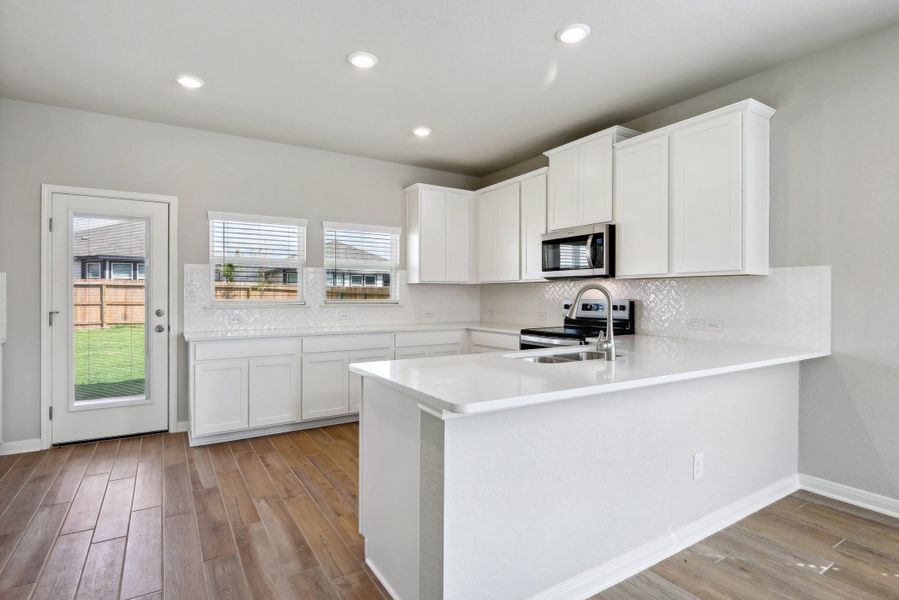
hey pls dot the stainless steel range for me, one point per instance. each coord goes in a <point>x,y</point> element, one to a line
<point>588,322</point>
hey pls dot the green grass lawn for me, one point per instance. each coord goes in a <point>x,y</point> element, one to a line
<point>109,362</point>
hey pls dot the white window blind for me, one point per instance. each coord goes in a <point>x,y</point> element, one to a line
<point>360,262</point>
<point>256,258</point>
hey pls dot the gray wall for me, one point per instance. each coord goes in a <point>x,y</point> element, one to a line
<point>834,201</point>
<point>42,144</point>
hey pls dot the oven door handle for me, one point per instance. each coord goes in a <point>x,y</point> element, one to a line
<point>537,340</point>
<point>590,252</point>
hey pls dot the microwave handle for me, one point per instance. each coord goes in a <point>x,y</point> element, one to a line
<point>590,251</point>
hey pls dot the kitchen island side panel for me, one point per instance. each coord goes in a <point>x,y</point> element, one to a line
<point>538,495</point>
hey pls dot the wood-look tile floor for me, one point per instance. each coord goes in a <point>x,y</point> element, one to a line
<point>275,517</point>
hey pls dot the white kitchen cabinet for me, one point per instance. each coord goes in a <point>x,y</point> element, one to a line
<point>221,396</point>
<point>439,225</point>
<point>491,341</point>
<point>533,225</point>
<point>499,237</point>
<point>274,390</point>
<point>581,179</point>
<point>422,344</point>
<point>361,356</point>
<point>711,174</point>
<point>413,352</point>
<point>641,209</point>
<point>325,385</point>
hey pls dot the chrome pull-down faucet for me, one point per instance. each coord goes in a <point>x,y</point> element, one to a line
<point>604,343</point>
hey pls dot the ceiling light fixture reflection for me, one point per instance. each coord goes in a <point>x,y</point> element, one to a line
<point>422,132</point>
<point>191,82</point>
<point>362,60</point>
<point>572,34</point>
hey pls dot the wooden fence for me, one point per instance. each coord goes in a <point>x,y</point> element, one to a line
<point>105,302</point>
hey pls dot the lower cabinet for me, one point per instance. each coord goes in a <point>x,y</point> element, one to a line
<point>361,356</point>
<point>221,396</point>
<point>490,341</point>
<point>433,350</point>
<point>325,384</point>
<point>274,390</point>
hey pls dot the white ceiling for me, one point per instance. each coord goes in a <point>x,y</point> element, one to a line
<point>487,76</point>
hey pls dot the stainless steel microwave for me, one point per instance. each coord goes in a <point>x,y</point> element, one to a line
<point>587,251</point>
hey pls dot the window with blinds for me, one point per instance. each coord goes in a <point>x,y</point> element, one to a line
<point>360,262</point>
<point>255,258</point>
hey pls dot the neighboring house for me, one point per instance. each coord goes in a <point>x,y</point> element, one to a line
<point>113,251</point>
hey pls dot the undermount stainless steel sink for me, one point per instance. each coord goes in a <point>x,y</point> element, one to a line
<point>567,357</point>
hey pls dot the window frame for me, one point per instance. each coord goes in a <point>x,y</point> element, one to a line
<point>112,275</point>
<point>138,275</point>
<point>87,266</point>
<point>396,232</point>
<point>299,264</point>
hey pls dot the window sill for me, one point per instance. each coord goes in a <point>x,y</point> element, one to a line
<point>241,304</point>
<point>361,302</point>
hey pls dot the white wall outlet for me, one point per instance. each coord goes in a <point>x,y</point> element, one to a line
<point>716,325</point>
<point>488,314</point>
<point>429,314</point>
<point>695,323</point>
<point>236,318</point>
<point>343,315</point>
<point>698,465</point>
<point>541,316</point>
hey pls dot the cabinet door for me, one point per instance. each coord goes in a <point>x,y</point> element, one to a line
<point>274,390</point>
<point>488,240</point>
<point>221,393</point>
<point>413,352</point>
<point>325,385</point>
<point>706,196</point>
<point>509,229</point>
<point>596,181</point>
<point>445,350</point>
<point>564,176</point>
<point>432,240</point>
<point>641,209</point>
<point>533,225</point>
<point>360,356</point>
<point>458,236</point>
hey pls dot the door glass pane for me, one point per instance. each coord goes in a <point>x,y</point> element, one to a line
<point>108,307</point>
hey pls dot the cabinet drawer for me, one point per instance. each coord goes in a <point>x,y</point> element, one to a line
<point>504,341</point>
<point>428,338</point>
<point>246,348</point>
<point>343,343</point>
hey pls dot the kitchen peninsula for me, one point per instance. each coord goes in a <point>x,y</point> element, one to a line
<point>498,477</point>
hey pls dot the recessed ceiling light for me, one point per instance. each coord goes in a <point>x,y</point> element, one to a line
<point>572,34</point>
<point>190,81</point>
<point>362,60</point>
<point>422,132</point>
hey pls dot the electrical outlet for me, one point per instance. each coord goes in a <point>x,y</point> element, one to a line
<point>488,315</point>
<point>541,316</point>
<point>343,315</point>
<point>698,465</point>
<point>716,325</point>
<point>695,323</point>
<point>429,314</point>
<point>236,319</point>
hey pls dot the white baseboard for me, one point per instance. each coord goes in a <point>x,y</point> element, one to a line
<point>243,434</point>
<point>377,573</point>
<point>20,446</point>
<point>850,495</point>
<point>627,565</point>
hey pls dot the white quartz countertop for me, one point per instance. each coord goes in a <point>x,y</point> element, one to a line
<point>476,383</point>
<point>205,336</point>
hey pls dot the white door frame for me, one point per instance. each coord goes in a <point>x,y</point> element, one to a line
<point>47,191</point>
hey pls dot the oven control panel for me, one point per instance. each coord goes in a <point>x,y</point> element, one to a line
<point>596,309</point>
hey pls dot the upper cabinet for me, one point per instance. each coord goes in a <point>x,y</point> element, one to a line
<point>498,213</point>
<point>511,217</point>
<point>692,198</point>
<point>439,224</point>
<point>581,179</point>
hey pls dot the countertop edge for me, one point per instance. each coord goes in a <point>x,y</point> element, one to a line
<point>513,402</point>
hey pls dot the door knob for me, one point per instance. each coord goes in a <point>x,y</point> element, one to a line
<point>160,328</point>
<point>160,312</point>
